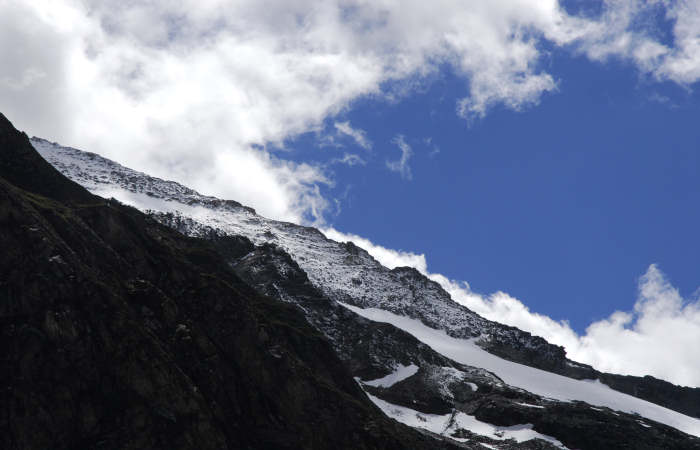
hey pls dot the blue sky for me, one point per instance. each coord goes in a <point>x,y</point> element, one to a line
<point>563,204</point>
<point>544,152</point>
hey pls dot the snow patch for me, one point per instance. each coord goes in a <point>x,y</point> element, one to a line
<point>401,373</point>
<point>448,424</point>
<point>529,405</point>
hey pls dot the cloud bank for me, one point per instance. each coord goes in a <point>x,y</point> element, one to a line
<point>198,91</point>
<point>658,337</point>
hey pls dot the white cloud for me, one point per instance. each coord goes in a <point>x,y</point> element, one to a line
<point>359,136</point>
<point>387,257</point>
<point>682,63</point>
<point>195,91</point>
<point>658,337</point>
<point>401,165</point>
<point>625,30</point>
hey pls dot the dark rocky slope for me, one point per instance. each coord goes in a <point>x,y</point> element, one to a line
<point>118,332</point>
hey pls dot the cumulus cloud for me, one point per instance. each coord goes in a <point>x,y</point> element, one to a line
<point>628,30</point>
<point>401,165</point>
<point>199,91</point>
<point>657,337</point>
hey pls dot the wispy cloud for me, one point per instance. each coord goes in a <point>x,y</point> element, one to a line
<point>434,149</point>
<point>359,136</point>
<point>401,165</point>
<point>657,337</point>
<point>349,159</point>
<point>661,99</point>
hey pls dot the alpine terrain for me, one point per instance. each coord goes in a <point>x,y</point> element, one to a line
<point>137,313</point>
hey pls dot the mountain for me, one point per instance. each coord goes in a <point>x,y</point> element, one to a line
<point>196,322</point>
<point>118,332</point>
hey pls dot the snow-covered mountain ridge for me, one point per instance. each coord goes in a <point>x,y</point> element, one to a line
<point>344,273</point>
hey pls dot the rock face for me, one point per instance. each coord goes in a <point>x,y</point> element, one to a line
<point>118,332</point>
